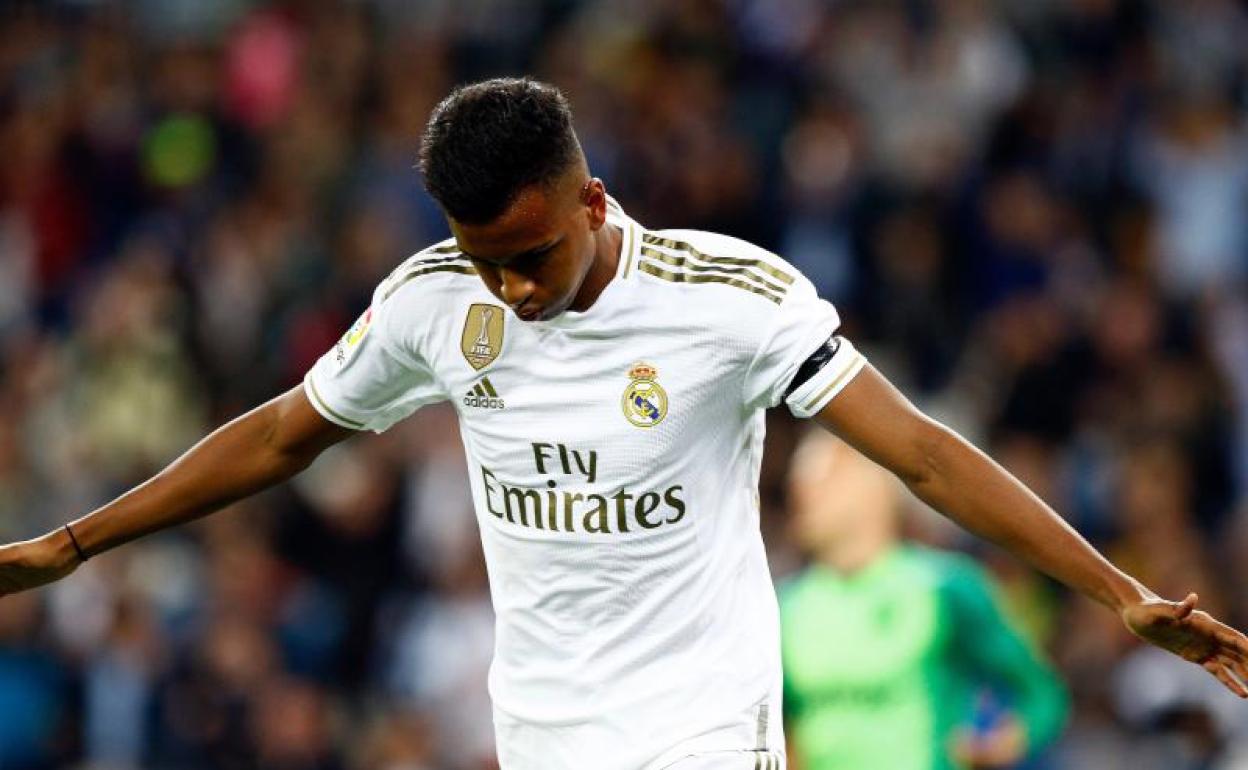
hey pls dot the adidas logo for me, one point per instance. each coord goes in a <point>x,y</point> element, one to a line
<point>484,396</point>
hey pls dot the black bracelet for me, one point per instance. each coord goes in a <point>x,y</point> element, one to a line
<point>74,540</point>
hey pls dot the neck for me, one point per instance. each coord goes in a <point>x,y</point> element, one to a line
<point>607,242</point>
<point>854,553</point>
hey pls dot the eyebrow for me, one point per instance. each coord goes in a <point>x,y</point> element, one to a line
<point>522,255</point>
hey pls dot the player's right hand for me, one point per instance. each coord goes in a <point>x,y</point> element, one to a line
<point>32,563</point>
<point>1194,636</point>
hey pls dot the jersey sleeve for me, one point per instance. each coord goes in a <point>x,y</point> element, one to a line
<point>801,325</point>
<point>990,651</point>
<point>369,380</point>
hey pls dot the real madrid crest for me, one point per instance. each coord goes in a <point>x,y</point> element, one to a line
<point>645,401</point>
<point>482,339</point>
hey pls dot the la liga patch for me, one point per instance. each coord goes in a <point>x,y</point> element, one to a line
<point>353,336</point>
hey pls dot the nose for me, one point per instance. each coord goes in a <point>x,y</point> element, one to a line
<point>515,288</point>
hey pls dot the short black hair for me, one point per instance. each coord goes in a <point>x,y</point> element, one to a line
<point>488,141</point>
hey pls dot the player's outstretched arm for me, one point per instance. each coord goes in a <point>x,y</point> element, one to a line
<point>949,474</point>
<point>267,445</point>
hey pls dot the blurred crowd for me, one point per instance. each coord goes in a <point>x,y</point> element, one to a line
<point>1033,215</point>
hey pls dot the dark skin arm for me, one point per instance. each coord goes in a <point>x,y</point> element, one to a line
<point>264,447</point>
<point>948,473</point>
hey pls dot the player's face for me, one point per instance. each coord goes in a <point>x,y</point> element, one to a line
<point>536,255</point>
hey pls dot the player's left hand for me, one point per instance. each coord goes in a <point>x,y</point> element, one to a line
<point>1193,635</point>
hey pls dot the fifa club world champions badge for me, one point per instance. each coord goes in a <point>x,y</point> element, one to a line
<point>645,401</point>
<point>482,338</point>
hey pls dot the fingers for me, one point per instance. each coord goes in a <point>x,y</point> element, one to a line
<point>1223,673</point>
<point>1239,670</point>
<point>1228,640</point>
<point>1233,645</point>
<point>1185,607</point>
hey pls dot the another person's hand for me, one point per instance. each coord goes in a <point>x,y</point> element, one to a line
<point>32,563</point>
<point>1193,635</point>
<point>1003,745</point>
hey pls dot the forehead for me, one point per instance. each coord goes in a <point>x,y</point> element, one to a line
<point>535,219</point>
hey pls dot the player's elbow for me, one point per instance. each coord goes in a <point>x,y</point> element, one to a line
<point>281,439</point>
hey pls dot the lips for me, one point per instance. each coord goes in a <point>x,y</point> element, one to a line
<point>528,313</point>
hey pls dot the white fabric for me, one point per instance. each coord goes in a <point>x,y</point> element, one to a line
<point>636,620</point>
<point>732,760</point>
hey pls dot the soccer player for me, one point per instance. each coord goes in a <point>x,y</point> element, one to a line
<point>887,647</point>
<point>610,383</point>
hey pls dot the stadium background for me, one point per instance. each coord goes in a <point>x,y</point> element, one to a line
<point>1032,213</point>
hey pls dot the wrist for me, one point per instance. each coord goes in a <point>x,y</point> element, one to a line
<point>1127,592</point>
<point>59,549</point>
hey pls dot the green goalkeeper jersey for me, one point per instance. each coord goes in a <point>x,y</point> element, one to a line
<point>882,666</point>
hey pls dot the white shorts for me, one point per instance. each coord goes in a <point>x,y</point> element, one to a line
<point>731,760</point>
<point>619,741</point>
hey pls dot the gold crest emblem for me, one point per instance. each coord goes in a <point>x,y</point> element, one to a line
<point>645,401</point>
<point>482,339</point>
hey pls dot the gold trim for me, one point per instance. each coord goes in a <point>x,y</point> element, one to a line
<point>423,258</point>
<point>684,263</point>
<point>839,379</point>
<point>489,387</point>
<point>758,761</point>
<point>462,269</point>
<point>658,272</point>
<point>316,395</point>
<point>439,261</point>
<point>757,264</point>
<point>630,237</point>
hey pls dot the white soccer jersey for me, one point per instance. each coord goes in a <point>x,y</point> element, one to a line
<point>614,458</point>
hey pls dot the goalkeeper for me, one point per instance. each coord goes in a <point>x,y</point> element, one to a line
<point>888,648</point>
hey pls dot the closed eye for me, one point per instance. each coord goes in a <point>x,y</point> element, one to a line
<point>526,262</point>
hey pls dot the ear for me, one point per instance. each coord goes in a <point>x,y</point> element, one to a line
<point>594,198</point>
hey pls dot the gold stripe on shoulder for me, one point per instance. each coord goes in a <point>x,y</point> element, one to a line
<point>426,270</point>
<point>429,257</point>
<point>757,264</point>
<point>666,275</point>
<point>685,264</point>
<point>424,262</point>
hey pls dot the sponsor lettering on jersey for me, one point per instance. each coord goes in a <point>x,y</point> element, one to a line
<point>483,396</point>
<point>604,512</point>
<point>644,402</point>
<point>482,338</point>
